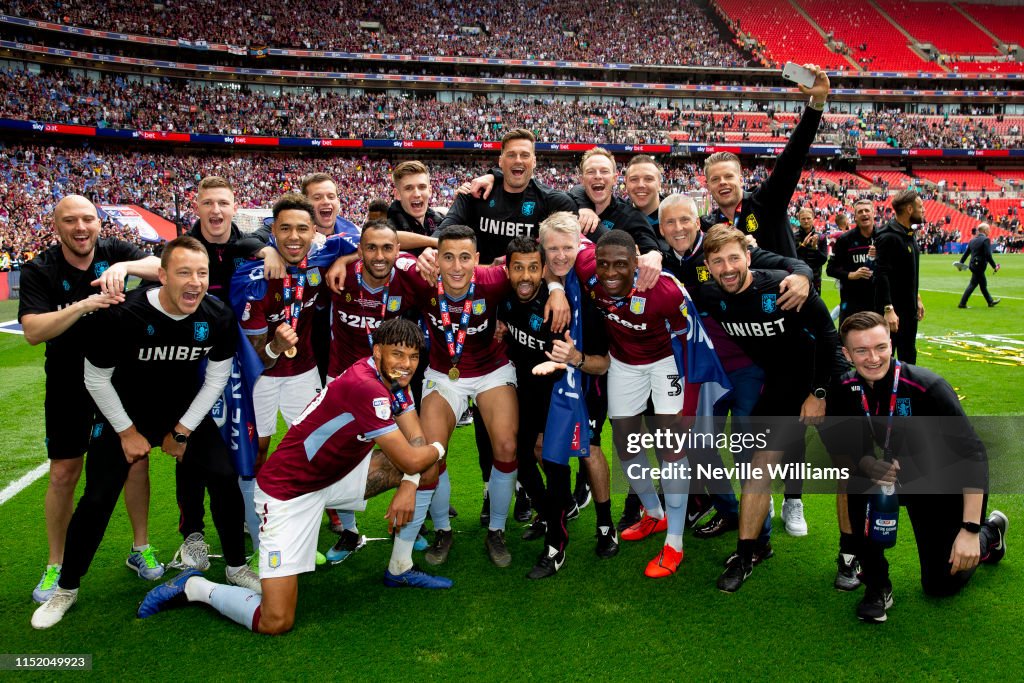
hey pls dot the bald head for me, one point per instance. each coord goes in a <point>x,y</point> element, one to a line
<point>77,226</point>
<point>983,228</point>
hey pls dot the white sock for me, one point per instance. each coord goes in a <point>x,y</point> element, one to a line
<point>198,589</point>
<point>231,571</point>
<point>674,541</point>
<point>401,556</point>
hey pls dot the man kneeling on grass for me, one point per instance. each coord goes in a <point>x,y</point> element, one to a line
<point>327,460</point>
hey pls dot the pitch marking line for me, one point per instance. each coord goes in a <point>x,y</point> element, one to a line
<point>26,480</point>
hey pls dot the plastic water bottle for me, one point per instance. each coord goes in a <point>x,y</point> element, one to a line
<point>883,516</point>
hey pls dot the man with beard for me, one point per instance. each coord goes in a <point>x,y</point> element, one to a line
<point>81,274</point>
<point>897,267</point>
<point>852,262</point>
<point>763,212</point>
<point>326,459</point>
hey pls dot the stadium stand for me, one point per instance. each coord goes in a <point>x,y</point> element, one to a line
<point>1003,21</point>
<point>875,44</point>
<point>941,25</point>
<point>781,31</point>
<point>958,178</point>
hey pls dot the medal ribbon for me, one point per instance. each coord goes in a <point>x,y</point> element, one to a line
<point>455,342</point>
<point>293,297</point>
<point>384,297</point>
<point>619,303</point>
<point>400,401</point>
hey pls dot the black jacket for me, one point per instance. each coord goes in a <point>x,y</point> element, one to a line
<point>763,212</point>
<point>980,251</point>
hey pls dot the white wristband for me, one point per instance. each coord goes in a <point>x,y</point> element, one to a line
<point>555,287</point>
<point>270,352</point>
<point>440,450</point>
<point>414,478</point>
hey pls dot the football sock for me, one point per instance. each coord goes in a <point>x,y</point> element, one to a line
<point>674,541</point>
<point>604,513</point>
<point>236,603</point>
<point>247,485</point>
<point>139,548</point>
<point>676,504</point>
<point>502,486</point>
<point>441,503</point>
<point>348,520</point>
<point>401,551</point>
<point>639,480</point>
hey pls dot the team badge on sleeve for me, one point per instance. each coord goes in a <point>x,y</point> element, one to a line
<point>382,408</point>
<point>637,305</point>
<point>528,208</point>
<point>479,306</point>
<point>202,331</point>
<point>313,277</point>
<point>768,302</point>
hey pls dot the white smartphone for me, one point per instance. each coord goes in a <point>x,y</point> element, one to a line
<point>798,74</point>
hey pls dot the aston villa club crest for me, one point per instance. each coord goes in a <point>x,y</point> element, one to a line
<point>150,330</point>
<point>274,559</point>
<point>607,225</point>
<point>751,223</point>
<point>238,262</point>
<point>637,305</point>
<point>529,208</point>
<point>702,274</point>
<point>768,302</point>
<point>903,407</point>
<point>100,267</point>
<point>394,304</point>
<point>479,306</point>
<point>313,277</point>
<point>536,322</point>
<point>348,297</point>
<point>202,331</point>
<point>277,297</point>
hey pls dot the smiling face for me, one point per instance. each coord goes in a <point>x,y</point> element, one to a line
<point>615,268</point>
<point>185,281</point>
<point>864,217</point>
<point>378,249</point>
<point>396,362</point>
<point>326,204</point>
<point>560,249</point>
<point>806,219</point>
<point>525,273</point>
<point>729,266</point>
<point>679,226</point>
<point>77,226</point>
<point>725,183</point>
<point>643,185</point>
<point>413,192</point>
<point>870,351</point>
<point>517,163</point>
<point>598,180</point>
<point>456,260</point>
<point>293,233</point>
<point>216,209</point>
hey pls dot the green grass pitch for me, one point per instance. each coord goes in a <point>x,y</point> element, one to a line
<point>597,619</point>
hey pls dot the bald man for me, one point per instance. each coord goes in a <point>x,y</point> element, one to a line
<point>80,274</point>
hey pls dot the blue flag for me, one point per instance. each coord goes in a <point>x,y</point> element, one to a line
<point>567,432</point>
<point>697,361</point>
<point>233,413</point>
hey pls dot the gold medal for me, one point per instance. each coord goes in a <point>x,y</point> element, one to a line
<point>453,374</point>
<point>290,353</point>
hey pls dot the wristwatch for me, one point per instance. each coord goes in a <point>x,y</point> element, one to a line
<point>888,309</point>
<point>179,437</point>
<point>820,393</point>
<point>972,527</point>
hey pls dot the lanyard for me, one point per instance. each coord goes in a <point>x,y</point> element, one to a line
<point>293,296</point>
<point>455,342</point>
<point>383,302</point>
<point>892,410</point>
<point>735,217</point>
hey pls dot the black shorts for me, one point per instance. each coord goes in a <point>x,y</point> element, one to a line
<point>776,416</point>
<point>69,418</point>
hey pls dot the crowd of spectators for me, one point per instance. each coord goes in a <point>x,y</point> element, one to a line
<point>899,129</point>
<point>631,31</point>
<point>176,105</point>
<point>33,178</point>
